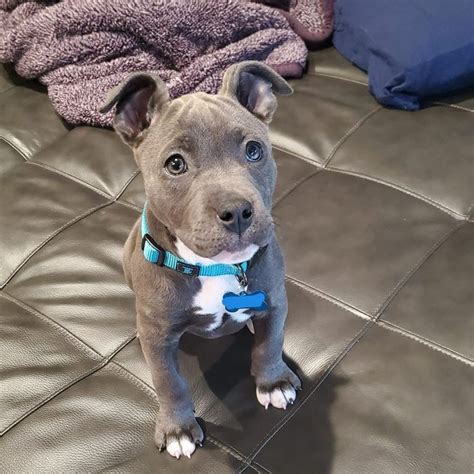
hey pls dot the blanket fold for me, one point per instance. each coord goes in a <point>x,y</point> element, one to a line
<point>81,48</point>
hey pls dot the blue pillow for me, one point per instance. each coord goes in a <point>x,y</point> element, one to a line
<point>411,48</point>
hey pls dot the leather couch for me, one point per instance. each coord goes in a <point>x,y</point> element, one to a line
<point>374,212</point>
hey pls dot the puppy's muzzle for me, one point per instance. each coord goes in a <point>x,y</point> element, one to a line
<point>236,216</point>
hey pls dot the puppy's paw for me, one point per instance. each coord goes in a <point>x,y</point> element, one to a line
<point>178,440</point>
<point>279,393</point>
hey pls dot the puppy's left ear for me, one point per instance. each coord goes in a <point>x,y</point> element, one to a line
<point>253,84</point>
<point>137,100</point>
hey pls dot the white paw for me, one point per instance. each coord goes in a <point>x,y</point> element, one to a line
<point>178,437</point>
<point>181,446</point>
<point>279,397</point>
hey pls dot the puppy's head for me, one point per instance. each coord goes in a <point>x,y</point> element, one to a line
<point>206,159</point>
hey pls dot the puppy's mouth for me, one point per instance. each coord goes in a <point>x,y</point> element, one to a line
<point>237,256</point>
<point>212,247</point>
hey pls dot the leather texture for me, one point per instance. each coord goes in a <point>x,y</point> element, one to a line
<point>374,211</point>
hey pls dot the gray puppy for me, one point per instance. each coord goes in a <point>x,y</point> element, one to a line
<point>209,177</point>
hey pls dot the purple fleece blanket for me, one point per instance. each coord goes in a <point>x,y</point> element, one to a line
<point>82,48</point>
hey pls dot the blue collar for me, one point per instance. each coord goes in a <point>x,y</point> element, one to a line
<point>161,257</point>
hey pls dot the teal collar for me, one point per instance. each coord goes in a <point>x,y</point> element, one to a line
<point>161,257</point>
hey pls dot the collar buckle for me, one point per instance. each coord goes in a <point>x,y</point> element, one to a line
<point>156,249</point>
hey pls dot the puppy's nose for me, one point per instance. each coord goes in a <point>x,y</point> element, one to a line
<point>236,217</point>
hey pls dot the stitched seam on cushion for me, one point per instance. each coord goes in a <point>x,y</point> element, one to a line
<point>67,225</point>
<point>127,184</point>
<point>255,464</point>
<point>331,299</point>
<point>235,454</point>
<point>50,237</point>
<point>427,342</point>
<point>29,157</point>
<point>340,78</point>
<point>15,147</point>
<point>359,335</point>
<point>400,188</point>
<point>454,106</point>
<point>338,144</point>
<point>469,213</point>
<point>365,316</point>
<point>315,386</point>
<point>146,388</point>
<point>343,139</point>
<point>71,337</point>
<point>136,380</point>
<point>69,176</point>
<point>426,256</point>
<point>50,397</point>
<point>86,374</point>
<point>297,155</point>
<point>360,314</point>
<point>129,205</point>
<point>250,467</point>
<point>142,385</point>
<point>294,186</point>
<point>133,379</point>
<point>383,323</point>
<point>9,88</point>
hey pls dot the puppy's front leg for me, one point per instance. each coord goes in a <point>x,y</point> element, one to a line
<point>176,426</point>
<point>276,382</point>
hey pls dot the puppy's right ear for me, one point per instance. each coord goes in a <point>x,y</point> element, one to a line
<point>137,101</point>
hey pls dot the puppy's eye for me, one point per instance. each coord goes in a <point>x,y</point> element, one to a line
<point>253,151</point>
<point>176,165</point>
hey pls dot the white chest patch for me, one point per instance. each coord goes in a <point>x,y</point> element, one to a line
<point>209,298</point>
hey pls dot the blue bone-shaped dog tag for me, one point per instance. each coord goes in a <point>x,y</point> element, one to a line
<point>233,302</point>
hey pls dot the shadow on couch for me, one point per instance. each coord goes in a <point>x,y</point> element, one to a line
<point>228,377</point>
